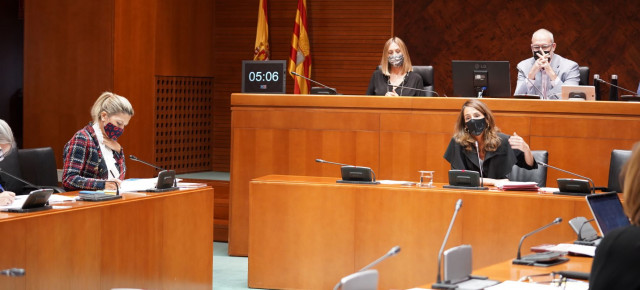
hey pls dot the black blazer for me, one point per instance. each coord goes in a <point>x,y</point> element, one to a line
<point>497,164</point>
<point>379,85</point>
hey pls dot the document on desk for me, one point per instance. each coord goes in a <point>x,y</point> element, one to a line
<point>574,249</point>
<point>138,184</point>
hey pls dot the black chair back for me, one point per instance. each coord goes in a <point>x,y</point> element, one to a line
<point>426,72</point>
<point>584,75</point>
<point>618,159</point>
<point>38,166</point>
<point>539,175</point>
<point>11,165</point>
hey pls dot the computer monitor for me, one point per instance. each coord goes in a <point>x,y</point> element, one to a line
<point>473,76</point>
<point>607,211</point>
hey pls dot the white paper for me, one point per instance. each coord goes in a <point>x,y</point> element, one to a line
<point>401,182</point>
<point>573,248</point>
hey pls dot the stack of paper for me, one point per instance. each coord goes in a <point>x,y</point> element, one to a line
<point>517,185</point>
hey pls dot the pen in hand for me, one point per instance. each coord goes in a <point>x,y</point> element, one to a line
<point>114,176</point>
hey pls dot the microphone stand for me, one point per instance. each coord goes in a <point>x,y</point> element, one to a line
<point>439,284</point>
<point>616,86</point>
<point>480,165</point>
<point>134,158</point>
<point>420,90</point>
<point>335,92</point>
<point>395,250</point>
<point>593,189</point>
<point>532,260</point>
<point>582,226</point>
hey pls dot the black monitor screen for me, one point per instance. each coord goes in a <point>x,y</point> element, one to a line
<point>490,77</point>
<point>608,211</point>
<point>264,76</point>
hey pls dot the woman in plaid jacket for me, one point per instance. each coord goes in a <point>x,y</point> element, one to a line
<point>93,159</point>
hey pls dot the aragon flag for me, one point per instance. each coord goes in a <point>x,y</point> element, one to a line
<point>300,56</point>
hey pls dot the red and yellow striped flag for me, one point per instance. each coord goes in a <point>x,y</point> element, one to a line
<point>261,51</point>
<point>300,56</point>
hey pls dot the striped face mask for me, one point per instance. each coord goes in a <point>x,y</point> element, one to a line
<point>2,154</point>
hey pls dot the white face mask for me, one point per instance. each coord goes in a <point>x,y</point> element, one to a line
<point>396,59</point>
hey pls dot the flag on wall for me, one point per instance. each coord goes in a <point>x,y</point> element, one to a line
<point>300,56</point>
<point>261,51</point>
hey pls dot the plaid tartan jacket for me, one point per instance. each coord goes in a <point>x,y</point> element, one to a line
<point>84,167</point>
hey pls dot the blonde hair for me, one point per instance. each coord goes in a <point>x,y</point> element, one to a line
<point>111,104</point>
<point>631,186</point>
<point>385,66</point>
<point>6,135</point>
<point>462,136</point>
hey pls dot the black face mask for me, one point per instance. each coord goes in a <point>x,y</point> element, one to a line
<point>535,54</point>
<point>476,126</point>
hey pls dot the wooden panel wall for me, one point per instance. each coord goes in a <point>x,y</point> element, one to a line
<point>346,44</point>
<point>68,62</point>
<point>592,33</point>
<point>76,50</point>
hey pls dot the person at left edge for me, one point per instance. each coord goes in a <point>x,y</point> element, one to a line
<point>7,146</point>
<point>498,151</point>
<point>94,151</point>
<point>395,70</point>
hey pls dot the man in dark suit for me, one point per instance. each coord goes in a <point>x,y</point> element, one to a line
<point>546,70</point>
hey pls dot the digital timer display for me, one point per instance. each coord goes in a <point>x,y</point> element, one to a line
<point>264,76</point>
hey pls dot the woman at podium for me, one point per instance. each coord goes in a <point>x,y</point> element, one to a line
<point>478,143</point>
<point>395,76</point>
<point>617,261</point>
<point>93,158</point>
<point>7,145</point>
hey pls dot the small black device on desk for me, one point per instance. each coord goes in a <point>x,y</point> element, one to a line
<point>36,201</point>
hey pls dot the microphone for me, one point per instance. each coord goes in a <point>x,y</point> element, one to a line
<point>556,168</point>
<point>134,158</point>
<point>596,85</point>
<point>480,165</point>
<point>13,272</point>
<point>329,162</point>
<point>439,284</point>
<point>615,86</point>
<point>354,174</point>
<point>117,187</point>
<point>531,259</point>
<point>394,251</point>
<point>334,91</point>
<point>530,82</point>
<point>421,90</point>
<point>28,183</point>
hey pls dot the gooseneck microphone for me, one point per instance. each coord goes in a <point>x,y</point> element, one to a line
<point>117,186</point>
<point>354,174</point>
<point>591,184</point>
<point>421,90</point>
<point>335,92</point>
<point>392,252</point>
<point>21,180</point>
<point>439,284</point>
<point>615,86</point>
<point>132,157</point>
<point>13,272</point>
<point>480,165</point>
<point>538,257</point>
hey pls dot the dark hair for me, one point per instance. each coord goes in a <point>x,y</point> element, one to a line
<point>462,136</point>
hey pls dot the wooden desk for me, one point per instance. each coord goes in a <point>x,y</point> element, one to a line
<point>158,241</point>
<point>505,271</point>
<point>308,232</point>
<point>397,136</point>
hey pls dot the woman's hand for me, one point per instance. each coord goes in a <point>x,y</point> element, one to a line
<point>517,142</point>
<point>111,144</point>
<point>109,185</point>
<point>7,197</point>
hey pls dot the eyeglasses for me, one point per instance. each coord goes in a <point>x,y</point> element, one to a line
<point>544,47</point>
